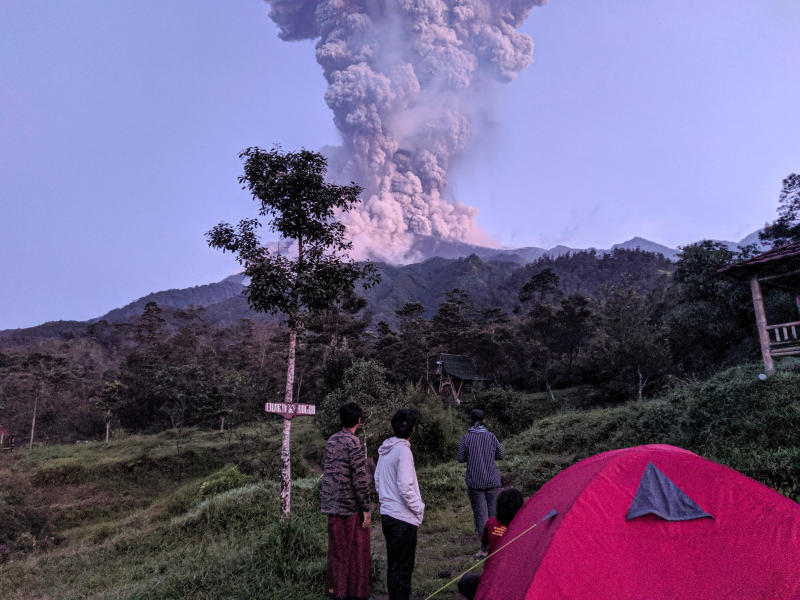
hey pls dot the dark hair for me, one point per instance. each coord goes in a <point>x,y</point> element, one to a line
<point>477,415</point>
<point>349,414</point>
<point>508,503</point>
<point>403,422</point>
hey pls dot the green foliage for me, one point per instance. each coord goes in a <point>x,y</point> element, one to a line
<point>509,412</point>
<point>630,352</point>
<point>299,205</point>
<point>225,479</point>
<point>709,319</point>
<point>540,286</point>
<point>364,383</point>
<point>786,228</point>
<point>734,418</point>
<point>439,428</point>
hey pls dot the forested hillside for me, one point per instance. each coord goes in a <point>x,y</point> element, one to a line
<point>623,325</point>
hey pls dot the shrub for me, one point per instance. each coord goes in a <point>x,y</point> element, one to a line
<point>228,478</point>
<point>733,418</point>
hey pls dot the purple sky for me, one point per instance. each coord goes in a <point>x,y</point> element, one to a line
<point>120,123</point>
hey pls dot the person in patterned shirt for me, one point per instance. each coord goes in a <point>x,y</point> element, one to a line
<point>345,499</point>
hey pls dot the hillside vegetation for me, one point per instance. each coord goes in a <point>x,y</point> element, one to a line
<point>138,518</point>
<point>619,326</point>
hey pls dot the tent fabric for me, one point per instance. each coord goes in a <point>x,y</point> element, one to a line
<point>750,549</point>
<point>657,495</point>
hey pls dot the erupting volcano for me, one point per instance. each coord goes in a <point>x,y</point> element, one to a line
<point>406,80</point>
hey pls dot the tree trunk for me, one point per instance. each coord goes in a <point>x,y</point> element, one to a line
<point>641,383</point>
<point>108,429</point>
<point>286,465</point>
<point>222,424</point>
<point>33,421</point>
<point>550,391</point>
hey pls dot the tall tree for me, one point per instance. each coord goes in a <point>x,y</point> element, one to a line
<point>111,398</point>
<point>706,313</point>
<point>786,228</point>
<point>573,324</point>
<point>298,204</point>
<point>540,286</point>
<point>44,375</point>
<point>629,350</point>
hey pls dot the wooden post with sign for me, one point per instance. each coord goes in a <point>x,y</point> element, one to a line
<point>289,410</point>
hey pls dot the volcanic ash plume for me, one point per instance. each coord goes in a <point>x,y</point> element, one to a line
<point>405,80</point>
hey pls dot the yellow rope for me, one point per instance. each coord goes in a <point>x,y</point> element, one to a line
<point>552,513</point>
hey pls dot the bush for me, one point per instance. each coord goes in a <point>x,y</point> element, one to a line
<point>228,478</point>
<point>366,384</point>
<point>439,427</point>
<point>733,418</point>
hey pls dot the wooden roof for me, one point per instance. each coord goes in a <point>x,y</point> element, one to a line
<point>773,261</point>
<point>460,366</point>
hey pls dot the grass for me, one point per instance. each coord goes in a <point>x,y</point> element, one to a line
<point>133,519</point>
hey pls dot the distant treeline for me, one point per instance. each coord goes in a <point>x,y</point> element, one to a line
<point>623,324</point>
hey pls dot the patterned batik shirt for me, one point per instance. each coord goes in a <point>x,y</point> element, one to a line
<point>345,486</point>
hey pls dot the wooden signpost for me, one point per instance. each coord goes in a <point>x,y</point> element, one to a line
<point>290,411</point>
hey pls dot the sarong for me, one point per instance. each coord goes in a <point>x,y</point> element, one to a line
<point>348,558</point>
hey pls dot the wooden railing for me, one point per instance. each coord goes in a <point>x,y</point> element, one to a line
<point>784,339</point>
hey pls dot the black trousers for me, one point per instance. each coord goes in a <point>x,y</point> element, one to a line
<point>401,547</point>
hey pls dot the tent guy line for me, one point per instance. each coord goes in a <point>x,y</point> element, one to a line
<point>549,515</point>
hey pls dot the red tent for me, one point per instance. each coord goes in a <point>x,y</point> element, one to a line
<point>651,522</point>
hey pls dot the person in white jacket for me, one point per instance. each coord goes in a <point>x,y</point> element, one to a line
<point>401,504</point>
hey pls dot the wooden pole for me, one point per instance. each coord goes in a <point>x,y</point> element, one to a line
<point>286,464</point>
<point>33,421</point>
<point>761,323</point>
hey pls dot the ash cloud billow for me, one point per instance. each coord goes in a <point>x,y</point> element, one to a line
<point>406,79</point>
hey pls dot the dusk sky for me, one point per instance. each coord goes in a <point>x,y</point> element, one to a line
<point>120,125</point>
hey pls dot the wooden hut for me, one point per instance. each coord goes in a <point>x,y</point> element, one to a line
<point>454,370</point>
<point>778,267</point>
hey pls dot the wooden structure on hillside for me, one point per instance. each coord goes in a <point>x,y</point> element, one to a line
<point>454,370</point>
<point>778,267</point>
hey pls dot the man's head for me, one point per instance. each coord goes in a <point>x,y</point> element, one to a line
<point>508,504</point>
<point>403,422</point>
<point>477,415</point>
<point>349,414</point>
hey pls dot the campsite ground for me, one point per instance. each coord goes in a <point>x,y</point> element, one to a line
<point>137,519</point>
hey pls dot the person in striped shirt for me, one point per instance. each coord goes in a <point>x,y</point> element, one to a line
<point>479,448</point>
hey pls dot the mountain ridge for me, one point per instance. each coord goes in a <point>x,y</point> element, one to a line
<point>224,302</point>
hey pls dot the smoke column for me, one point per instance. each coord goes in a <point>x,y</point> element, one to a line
<point>405,80</point>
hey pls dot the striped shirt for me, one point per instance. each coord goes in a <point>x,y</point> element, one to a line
<point>479,448</point>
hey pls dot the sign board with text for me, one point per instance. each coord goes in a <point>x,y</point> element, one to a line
<point>289,411</point>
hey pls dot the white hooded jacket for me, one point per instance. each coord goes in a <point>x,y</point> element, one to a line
<point>396,482</point>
